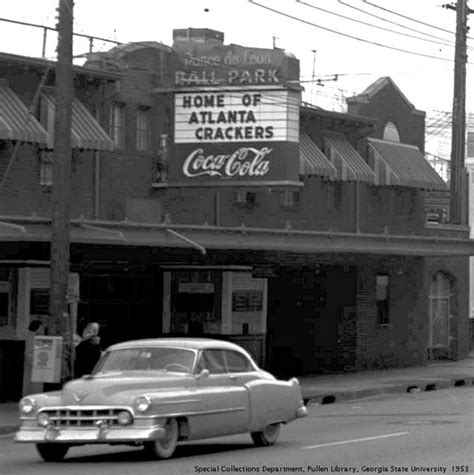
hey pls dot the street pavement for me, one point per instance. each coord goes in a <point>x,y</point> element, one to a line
<point>334,388</point>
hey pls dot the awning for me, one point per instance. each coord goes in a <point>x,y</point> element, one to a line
<point>404,165</point>
<point>312,160</point>
<point>86,133</point>
<point>110,233</point>
<point>349,164</point>
<point>16,123</point>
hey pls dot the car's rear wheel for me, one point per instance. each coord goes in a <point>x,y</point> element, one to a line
<point>267,436</point>
<point>51,452</point>
<point>164,448</point>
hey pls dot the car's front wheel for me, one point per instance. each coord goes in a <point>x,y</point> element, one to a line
<point>267,436</point>
<point>164,448</point>
<point>51,452</point>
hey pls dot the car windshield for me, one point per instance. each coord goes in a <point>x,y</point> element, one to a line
<point>147,359</point>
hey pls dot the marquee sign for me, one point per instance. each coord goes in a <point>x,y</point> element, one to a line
<point>236,116</point>
<point>236,112</point>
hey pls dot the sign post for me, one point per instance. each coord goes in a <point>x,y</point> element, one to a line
<point>47,359</point>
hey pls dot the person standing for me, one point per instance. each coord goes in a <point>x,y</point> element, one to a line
<point>88,350</point>
<point>35,328</point>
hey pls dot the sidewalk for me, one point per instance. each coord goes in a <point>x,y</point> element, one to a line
<point>324,389</point>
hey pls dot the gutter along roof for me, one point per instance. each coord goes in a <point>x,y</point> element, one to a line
<point>44,63</point>
<point>23,229</point>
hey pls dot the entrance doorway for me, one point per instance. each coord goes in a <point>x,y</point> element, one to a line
<point>440,314</point>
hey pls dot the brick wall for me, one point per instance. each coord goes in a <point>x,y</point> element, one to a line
<point>388,105</point>
<point>403,341</point>
<point>23,195</point>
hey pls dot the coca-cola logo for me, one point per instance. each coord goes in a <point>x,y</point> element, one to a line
<point>245,161</point>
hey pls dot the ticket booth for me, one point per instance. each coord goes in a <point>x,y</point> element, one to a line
<point>226,303</point>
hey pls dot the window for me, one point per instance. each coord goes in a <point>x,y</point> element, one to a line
<point>390,132</point>
<point>236,362</point>
<point>213,360</point>
<point>246,199</point>
<point>440,310</point>
<point>334,196</point>
<point>289,199</point>
<point>382,299</point>
<point>117,125</point>
<point>4,303</point>
<point>46,118</point>
<point>404,201</point>
<point>46,170</point>
<point>143,129</point>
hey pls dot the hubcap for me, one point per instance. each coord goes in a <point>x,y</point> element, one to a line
<point>166,441</point>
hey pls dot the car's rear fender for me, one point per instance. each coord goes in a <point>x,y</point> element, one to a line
<point>272,402</point>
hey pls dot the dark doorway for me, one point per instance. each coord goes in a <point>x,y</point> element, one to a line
<point>127,306</point>
<point>306,309</point>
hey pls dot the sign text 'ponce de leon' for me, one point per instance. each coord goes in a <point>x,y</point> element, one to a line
<point>203,60</point>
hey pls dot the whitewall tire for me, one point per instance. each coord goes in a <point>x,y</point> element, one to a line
<point>267,436</point>
<point>164,448</point>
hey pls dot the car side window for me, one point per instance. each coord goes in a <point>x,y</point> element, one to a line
<point>214,361</point>
<point>237,363</point>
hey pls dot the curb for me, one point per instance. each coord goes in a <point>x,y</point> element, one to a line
<point>429,385</point>
<point>8,429</point>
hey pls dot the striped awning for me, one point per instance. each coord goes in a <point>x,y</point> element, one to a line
<point>86,133</point>
<point>349,164</point>
<point>313,162</point>
<point>16,122</point>
<point>403,165</point>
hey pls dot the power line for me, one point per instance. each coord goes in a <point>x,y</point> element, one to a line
<point>401,50</point>
<point>451,44</point>
<point>373,15</point>
<point>408,18</point>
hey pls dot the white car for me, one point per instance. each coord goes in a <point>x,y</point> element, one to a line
<point>158,392</point>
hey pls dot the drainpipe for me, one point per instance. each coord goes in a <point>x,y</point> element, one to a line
<point>357,208</point>
<point>217,208</point>
<point>96,185</point>
<point>97,177</point>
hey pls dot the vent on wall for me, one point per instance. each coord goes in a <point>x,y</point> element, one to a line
<point>246,199</point>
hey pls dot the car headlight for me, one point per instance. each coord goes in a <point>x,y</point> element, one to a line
<point>43,419</point>
<point>27,405</point>
<point>124,418</point>
<point>142,403</point>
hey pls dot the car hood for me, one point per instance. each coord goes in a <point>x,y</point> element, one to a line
<point>121,389</point>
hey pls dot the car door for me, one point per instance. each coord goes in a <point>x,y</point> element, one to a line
<point>219,413</point>
<point>241,371</point>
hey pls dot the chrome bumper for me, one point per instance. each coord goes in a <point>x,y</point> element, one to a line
<point>301,412</point>
<point>89,435</point>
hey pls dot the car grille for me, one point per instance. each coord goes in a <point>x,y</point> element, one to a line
<point>86,417</point>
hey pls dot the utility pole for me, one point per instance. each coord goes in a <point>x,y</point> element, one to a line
<point>458,184</point>
<point>59,323</point>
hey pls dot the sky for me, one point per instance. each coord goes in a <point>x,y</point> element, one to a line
<point>329,37</point>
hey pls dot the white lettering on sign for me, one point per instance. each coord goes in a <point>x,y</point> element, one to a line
<point>234,77</point>
<point>245,161</point>
<point>238,116</point>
